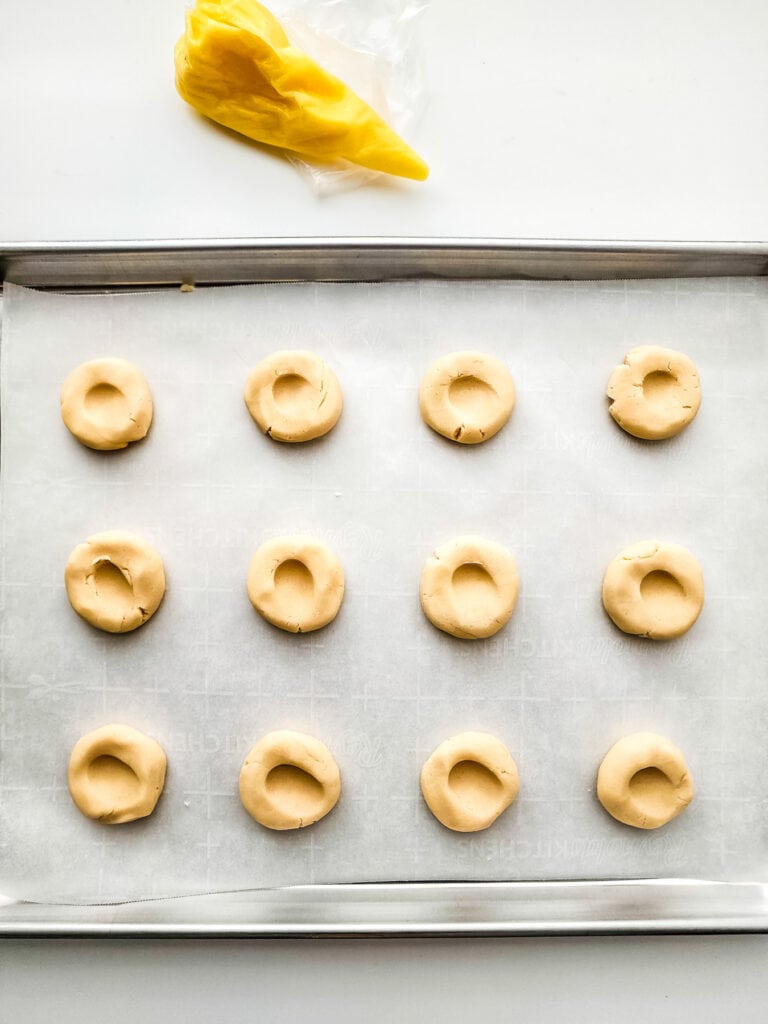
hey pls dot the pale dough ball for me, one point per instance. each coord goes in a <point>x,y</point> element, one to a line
<point>469,587</point>
<point>296,583</point>
<point>106,404</point>
<point>654,590</point>
<point>469,780</point>
<point>654,393</point>
<point>289,780</point>
<point>293,396</point>
<point>644,781</point>
<point>116,774</point>
<point>115,581</point>
<point>467,396</point>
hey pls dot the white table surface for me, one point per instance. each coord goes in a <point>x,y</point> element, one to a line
<point>662,980</point>
<point>600,119</point>
<point>596,119</point>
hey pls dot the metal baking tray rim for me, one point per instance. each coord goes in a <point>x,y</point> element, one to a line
<point>169,262</point>
<point>636,906</point>
<point>436,909</point>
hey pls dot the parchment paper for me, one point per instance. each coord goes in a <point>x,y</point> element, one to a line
<point>561,486</point>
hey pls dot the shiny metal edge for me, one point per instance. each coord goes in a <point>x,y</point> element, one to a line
<point>173,262</point>
<point>636,907</point>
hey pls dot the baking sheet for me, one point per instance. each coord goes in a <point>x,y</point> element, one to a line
<point>561,485</point>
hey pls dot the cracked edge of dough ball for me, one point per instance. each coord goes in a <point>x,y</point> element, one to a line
<point>631,755</point>
<point>445,417</point>
<point>455,811</point>
<point>628,405</point>
<point>271,416</point>
<point>114,432</point>
<point>622,589</point>
<point>287,748</point>
<point>319,560</point>
<point>436,589</point>
<point>135,560</point>
<point>140,753</point>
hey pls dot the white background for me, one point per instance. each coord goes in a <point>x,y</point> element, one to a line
<point>598,119</point>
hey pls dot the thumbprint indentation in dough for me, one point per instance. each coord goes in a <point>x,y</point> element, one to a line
<point>105,403</point>
<point>661,592</point>
<point>660,387</point>
<point>653,791</point>
<point>476,786</point>
<point>296,791</point>
<point>111,582</point>
<point>294,394</point>
<point>474,587</point>
<point>114,777</point>
<point>296,585</point>
<point>471,396</point>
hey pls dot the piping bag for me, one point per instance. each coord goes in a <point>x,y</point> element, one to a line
<point>236,65</point>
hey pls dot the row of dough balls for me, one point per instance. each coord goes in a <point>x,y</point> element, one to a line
<point>469,587</point>
<point>290,780</point>
<point>467,397</point>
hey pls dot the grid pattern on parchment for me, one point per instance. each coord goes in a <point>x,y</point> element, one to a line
<point>560,485</point>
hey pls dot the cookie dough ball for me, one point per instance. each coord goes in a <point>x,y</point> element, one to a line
<point>467,396</point>
<point>106,404</point>
<point>655,393</point>
<point>296,583</point>
<point>469,780</point>
<point>116,774</point>
<point>289,780</point>
<point>469,587</point>
<point>293,396</point>
<point>644,781</point>
<point>115,581</point>
<point>654,590</point>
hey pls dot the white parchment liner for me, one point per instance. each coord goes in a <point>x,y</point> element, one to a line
<point>561,486</point>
